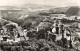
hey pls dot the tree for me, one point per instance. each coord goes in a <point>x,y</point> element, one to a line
<point>72,11</point>
<point>26,25</point>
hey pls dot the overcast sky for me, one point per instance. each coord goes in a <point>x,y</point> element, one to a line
<point>43,2</point>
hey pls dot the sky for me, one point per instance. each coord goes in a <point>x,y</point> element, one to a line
<point>42,2</point>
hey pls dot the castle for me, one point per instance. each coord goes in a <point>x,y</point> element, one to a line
<point>60,31</point>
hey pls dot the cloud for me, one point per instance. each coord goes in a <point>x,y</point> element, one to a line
<point>43,2</point>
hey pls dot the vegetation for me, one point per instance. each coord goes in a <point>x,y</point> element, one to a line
<point>67,21</point>
<point>72,11</point>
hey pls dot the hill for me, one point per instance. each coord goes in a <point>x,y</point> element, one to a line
<point>27,16</point>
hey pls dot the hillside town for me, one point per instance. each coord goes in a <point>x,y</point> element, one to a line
<point>42,30</point>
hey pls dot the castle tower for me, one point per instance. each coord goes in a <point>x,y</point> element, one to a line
<point>62,30</point>
<point>54,27</point>
<point>57,27</point>
<point>60,26</point>
<point>65,33</point>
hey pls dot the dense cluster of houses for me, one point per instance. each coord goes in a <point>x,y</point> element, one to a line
<point>15,34</point>
<point>57,33</point>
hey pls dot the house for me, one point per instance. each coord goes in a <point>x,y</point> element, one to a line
<point>79,24</point>
<point>4,37</point>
